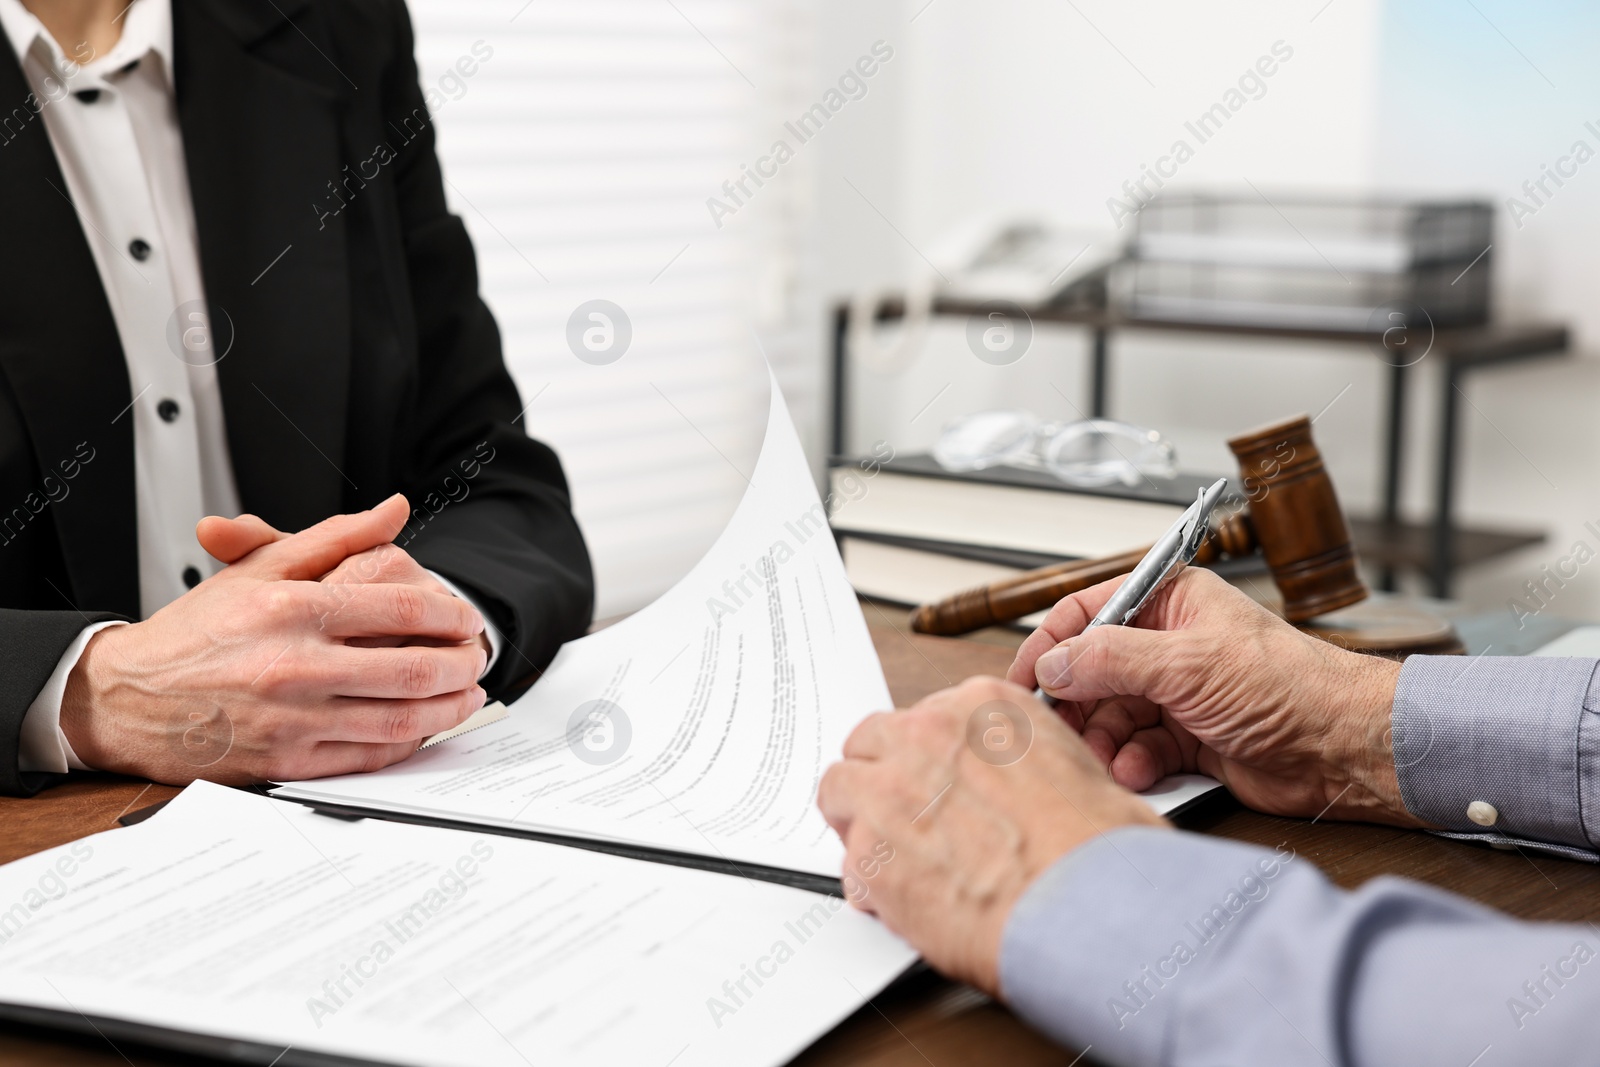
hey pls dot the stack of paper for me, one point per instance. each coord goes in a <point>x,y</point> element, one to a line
<point>242,919</point>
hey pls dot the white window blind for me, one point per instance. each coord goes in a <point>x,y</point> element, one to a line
<point>581,140</point>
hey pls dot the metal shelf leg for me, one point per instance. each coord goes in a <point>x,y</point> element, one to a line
<point>1394,448</point>
<point>1442,564</point>
<point>1099,360</point>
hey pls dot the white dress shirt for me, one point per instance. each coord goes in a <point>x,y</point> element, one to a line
<point>113,123</point>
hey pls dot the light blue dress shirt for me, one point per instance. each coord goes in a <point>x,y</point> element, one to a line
<point>1152,947</point>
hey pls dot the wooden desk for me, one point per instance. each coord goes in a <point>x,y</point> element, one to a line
<point>925,1019</point>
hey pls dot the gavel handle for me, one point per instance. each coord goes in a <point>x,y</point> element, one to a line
<point>1036,590</point>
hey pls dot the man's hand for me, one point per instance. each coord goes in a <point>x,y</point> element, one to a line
<point>1208,680</point>
<point>257,673</point>
<point>230,540</point>
<point>949,810</point>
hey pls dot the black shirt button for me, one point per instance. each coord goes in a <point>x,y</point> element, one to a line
<point>139,249</point>
<point>87,96</point>
<point>168,410</point>
<point>191,577</point>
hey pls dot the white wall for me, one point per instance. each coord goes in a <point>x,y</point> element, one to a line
<point>1022,106</point>
<point>581,153</point>
<point>1008,107</point>
<point>1029,107</point>
<point>1478,102</point>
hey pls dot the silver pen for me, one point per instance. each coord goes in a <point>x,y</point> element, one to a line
<point>1168,556</point>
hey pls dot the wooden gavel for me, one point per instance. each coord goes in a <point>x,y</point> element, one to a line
<point>1292,518</point>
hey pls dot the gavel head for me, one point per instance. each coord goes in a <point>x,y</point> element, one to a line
<point>1297,520</point>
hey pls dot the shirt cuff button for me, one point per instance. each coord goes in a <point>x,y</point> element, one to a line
<point>1482,813</point>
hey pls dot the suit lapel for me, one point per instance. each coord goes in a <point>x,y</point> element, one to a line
<point>260,109</point>
<point>61,355</point>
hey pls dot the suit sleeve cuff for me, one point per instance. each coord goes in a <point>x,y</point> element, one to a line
<point>496,641</point>
<point>43,746</point>
<point>1090,946</point>
<point>1516,739</point>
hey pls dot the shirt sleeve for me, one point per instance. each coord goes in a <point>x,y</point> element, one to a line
<point>1502,748</point>
<point>43,746</point>
<point>496,641</point>
<point>1149,946</point>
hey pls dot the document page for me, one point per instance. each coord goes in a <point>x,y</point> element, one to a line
<point>701,724</point>
<point>1579,641</point>
<point>1176,792</point>
<point>249,919</point>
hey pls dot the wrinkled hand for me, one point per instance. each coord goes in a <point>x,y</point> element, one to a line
<point>1207,680</point>
<point>230,540</point>
<point>257,673</point>
<point>949,810</point>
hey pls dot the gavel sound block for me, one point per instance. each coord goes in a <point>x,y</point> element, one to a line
<point>1292,518</point>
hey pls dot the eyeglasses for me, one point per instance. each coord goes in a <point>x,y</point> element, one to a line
<point>1088,453</point>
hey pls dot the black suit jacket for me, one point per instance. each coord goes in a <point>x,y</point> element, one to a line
<point>362,363</point>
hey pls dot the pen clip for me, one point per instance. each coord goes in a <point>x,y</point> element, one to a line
<point>1198,518</point>
<point>1195,529</point>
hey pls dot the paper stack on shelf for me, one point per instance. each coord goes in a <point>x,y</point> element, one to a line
<point>1330,264</point>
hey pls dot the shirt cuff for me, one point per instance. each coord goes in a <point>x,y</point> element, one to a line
<point>1513,738</point>
<point>43,747</point>
<point>496,642</point>
<point>1091,945</point>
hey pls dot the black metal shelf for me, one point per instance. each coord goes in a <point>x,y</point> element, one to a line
<point>1439,548</point>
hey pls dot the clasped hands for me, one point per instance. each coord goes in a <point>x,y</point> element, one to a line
<point>1206,681</point>
<point>323,652</point>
